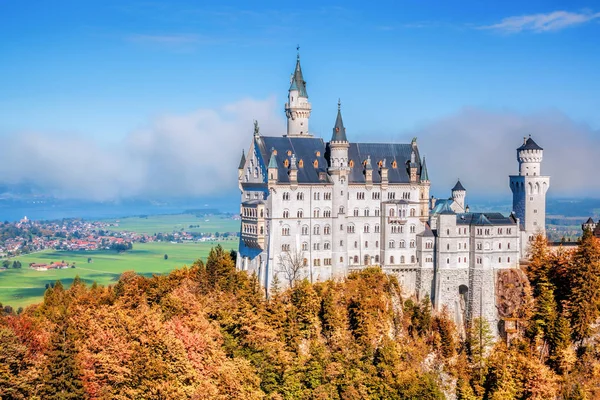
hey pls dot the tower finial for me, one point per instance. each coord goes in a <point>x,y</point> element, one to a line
<point>298,52</point>
<point>339,104</point>
<point>256,129</point>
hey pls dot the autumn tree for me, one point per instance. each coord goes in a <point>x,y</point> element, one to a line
<point>584,300</point>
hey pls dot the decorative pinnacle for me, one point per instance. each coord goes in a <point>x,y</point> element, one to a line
<point>256,129</point>
<point>339,104</point>
<point>298,52</point>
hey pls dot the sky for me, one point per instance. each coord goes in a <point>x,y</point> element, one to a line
<point>110,99</point>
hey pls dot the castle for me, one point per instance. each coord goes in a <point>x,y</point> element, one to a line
<point>319,210</point>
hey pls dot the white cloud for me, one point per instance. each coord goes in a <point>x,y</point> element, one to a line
<point>197,154</point>
<point>194,154</point>
<point>553,21</point>
<point>479,147</point>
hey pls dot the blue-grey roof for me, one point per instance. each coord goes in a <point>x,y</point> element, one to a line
<point>589,221</point>
<point>304,148</point>
<point>427,232</point>
<point>440,204</point>
<point>446,209</point>
<point>530,145</point>
<point>390,152</point>
<point>458,186</point>
<point>479,219</point>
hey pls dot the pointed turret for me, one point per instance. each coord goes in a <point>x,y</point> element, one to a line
<point>242,161</point>
<point>297,108</point>
<point>273,169</point>
<point>424,174</point>
<point>298,83</point>
<point>273,161</point>
<point>458,187</point>
<point>339,132</point>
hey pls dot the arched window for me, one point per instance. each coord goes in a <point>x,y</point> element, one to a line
<point>402,244</point>
<point>355,259</point>
<point>392,212</point>
<point>412,212</point>
<point>305,262</point>
<point>402,260</point>
<point>316,230</point>
<point>300,196</point>
<point>391,244</point>
<point>366,229</point>
<point>285,231</point>
<point>304,230</point>
<point>327,230</point>
<point>377,259</point>
<point>412,244</point>
<point>286,214</point>
<point>413,229</point>
<point>316,213</point>
<point>391,259</point>
<point>367,259</point>
<point>412,259</point>
<point>300,214</point>
<point>341,210</point>
<point>304,246</point>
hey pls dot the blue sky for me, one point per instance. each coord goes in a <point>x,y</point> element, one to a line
<point>106,70</point>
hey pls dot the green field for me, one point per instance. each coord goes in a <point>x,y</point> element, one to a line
<point>21,287</point>
<point>175,222</point>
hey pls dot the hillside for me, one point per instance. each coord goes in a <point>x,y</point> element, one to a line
<point>206,332</point>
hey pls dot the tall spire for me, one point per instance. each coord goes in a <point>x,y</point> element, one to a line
<point>298,83</point>
<point>424,174</point>
<point>339,132</point>
<point>297,108</point>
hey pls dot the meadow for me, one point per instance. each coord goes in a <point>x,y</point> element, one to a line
<point>174,222</point>
<point>21,287</point>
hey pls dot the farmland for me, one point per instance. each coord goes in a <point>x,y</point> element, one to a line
<point>174,223</point>
<point>21,287</point>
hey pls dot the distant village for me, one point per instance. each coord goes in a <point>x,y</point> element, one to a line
<point>27,236</point>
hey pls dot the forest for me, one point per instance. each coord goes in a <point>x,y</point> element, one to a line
<point>210,332</point>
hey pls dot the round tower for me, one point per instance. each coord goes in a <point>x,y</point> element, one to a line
<point>297,108</point>
<point>339,170</point>
<point>529,192</point>
<point>458,195</point>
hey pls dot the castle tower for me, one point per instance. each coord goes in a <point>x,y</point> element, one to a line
<point>297,109</point>
<point>339,170</point>
<point>458,195</point>
<point>529,192</point>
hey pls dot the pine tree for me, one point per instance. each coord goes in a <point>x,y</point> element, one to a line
<point>62,377</point>
<point>539,264</point>
<point>584,300</point>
